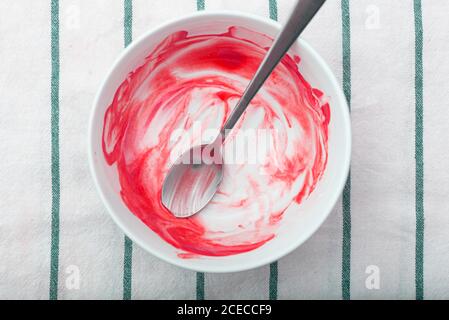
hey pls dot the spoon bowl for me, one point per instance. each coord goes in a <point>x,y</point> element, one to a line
<point>192,181</point>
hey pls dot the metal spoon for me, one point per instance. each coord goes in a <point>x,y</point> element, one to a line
<point>194,178</point>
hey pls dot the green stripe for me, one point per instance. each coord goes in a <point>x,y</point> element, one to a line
<point>346,250</point>
<point>128,22</point>
<point>273,289</point>
<point>419,152</point>
<point>55,180</point>
<point>128,246</point>
<point>273,8</point>
<point>200,5</point>
<point>199,286</point>
<point>127,268</point>
<point>273,280</point>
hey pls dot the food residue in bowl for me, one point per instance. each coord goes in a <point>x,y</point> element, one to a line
<point>195,80</point>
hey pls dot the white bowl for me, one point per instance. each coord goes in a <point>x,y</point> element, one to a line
<point>299,221</point>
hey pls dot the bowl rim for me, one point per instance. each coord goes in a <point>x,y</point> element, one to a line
<point>340,97</point>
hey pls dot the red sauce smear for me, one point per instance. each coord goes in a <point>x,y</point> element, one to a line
<point>199,78</point>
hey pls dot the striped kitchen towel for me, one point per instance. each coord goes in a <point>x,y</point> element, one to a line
<point>386,238</point>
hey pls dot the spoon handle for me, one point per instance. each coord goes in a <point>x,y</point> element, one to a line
<point>304,11</point>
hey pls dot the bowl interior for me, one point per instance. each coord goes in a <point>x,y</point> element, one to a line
<point>299,221</point>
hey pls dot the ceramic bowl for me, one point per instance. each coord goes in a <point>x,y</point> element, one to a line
<point>299,221</point>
